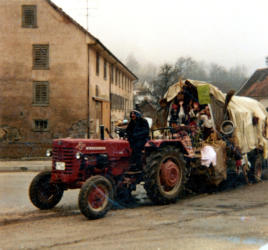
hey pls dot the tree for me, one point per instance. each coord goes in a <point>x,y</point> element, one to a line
<point>188,68</point>
<point>147,72</point>
<point>227,79</point>
<point>237,76</point>
<point>133,64</point>
<point>166,77</point>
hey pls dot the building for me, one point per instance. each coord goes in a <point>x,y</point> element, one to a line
<point>56,79</point>
<point>256,86</point>
<point>143,100</point>
<point>142,92</point>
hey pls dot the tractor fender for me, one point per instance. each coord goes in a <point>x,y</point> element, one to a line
<point>153,145</point>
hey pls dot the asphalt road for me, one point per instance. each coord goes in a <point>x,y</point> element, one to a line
<point>233,219</point>
<point>14,194</point>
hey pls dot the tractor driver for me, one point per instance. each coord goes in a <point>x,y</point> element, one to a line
<point>138,133</point>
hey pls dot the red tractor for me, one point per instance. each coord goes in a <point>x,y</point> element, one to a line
<point>100,168</point>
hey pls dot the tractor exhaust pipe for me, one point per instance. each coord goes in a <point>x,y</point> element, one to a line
<point>101,132</point>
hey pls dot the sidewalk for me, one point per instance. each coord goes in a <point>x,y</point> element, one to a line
<point>24,165</point>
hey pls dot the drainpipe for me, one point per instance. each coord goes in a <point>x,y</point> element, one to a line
<point>88,88</point>
<point>88,93</point>
<point>110,93</point>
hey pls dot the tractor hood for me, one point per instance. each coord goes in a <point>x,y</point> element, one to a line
<point>112,147</point>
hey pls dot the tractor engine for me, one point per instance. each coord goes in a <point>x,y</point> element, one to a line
<point>75,160</point>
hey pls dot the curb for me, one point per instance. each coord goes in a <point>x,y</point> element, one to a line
<point>25,166</point>
<point>24,169</point>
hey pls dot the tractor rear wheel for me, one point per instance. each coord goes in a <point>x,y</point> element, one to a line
<point>165,175</point>
<point>42,193</point>
<point>96,197</point>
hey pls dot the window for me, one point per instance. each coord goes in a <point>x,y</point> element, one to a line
<point>29,19</point>
<point>40,93</point>
<point>40,56</point>
<point>117,102</point>
<point>40,125</point>
<point>116,76</point>
<point>130,86</point>
<point>125,83</point>
<point>97,63</point>
<point>97,91</point>
<point>112,73</point>
<point>105,69</point>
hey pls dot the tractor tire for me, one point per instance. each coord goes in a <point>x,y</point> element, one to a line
<point>165,175</point>
<point>256,170</point>
<point>96,197</point>
<point>42,193</point>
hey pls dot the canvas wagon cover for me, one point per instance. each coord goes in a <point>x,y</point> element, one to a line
<point>241,111</point>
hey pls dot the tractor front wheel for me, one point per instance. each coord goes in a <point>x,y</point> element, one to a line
<point>96,197</point>
<point>42,193</point>
<point>165,175</point>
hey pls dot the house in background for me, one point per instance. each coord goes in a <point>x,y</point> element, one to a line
<point>143,99</point>
<point>256,87</point>
<point>142,92</point>
<point>56,79</point>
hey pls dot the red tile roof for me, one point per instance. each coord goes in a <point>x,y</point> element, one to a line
<point>257,84</point>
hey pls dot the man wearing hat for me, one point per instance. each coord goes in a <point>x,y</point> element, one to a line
<point>138,133</point>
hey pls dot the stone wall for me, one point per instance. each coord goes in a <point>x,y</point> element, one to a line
<point>18,150</point>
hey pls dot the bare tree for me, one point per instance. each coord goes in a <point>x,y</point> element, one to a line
<point>133,64</point>
<point>188,68</point>
<point>166,77</point>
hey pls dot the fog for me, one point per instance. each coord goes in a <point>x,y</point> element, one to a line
<point>228,33</point>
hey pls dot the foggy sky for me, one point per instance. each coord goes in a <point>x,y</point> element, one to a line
<point>229,33</point>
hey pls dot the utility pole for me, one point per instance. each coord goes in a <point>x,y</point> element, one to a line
<point>87,16</point>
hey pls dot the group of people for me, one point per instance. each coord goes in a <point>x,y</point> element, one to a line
<point>182,112</point>
<point>191,113</point>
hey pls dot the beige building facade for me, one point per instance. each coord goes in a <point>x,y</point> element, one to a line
<point>56,79</point>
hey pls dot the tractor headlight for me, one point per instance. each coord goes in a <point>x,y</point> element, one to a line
<point>78,155</point>
<point>49,153</point>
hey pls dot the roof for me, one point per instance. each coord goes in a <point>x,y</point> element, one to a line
<point>97,41</point>
<point>256,85</point>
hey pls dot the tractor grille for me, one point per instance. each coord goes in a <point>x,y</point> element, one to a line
<point>61,154</point>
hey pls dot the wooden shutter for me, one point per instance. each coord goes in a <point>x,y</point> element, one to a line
<point>29,16</point>
<point>40,56</point>
<point>41,93</point>
<point>97,63</point>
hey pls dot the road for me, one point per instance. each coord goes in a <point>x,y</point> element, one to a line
<point>14,193</point>
<point>233,219</point>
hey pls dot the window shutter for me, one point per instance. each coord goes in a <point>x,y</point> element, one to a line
<point>97,63</point>
<point>40,56</point>
<point>40,93</point>
<point>29,16</point>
